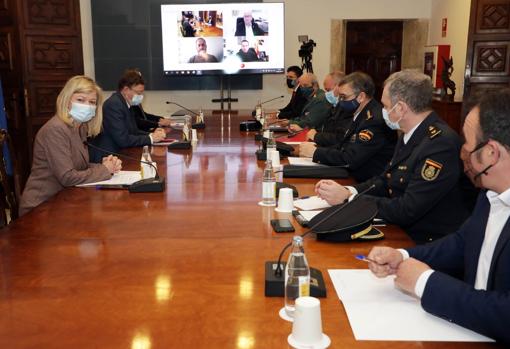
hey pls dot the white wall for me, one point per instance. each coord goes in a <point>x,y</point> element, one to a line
<point>457,13</point>
<point>307,17</point>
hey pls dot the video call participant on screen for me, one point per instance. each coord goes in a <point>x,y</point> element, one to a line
<point>297,101</point>
<point>368,144</point>
<point>247,53</point>
<point>188,30</point>
<point>60,158</point>
<point>202,56</point>
<point>317,108</point>
<point>420,188</point>
<point>246,26</point>
<point>338,121</point>
<point>465,277</point>
<point>119,124</point>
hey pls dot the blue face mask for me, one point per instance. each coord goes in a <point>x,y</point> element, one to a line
<point>332,99</point>
<point>389,123</point>
<point>137,99</point>
<point>82,112</point>
<point>307,92</point>
<point>349,106</point>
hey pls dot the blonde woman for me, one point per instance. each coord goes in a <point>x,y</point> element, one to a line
<point>60,157</point>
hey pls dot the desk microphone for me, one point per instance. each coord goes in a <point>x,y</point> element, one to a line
<point>274,279</point>
<point>200,124</point>
<point>254,112</point>
<point>149,185</point>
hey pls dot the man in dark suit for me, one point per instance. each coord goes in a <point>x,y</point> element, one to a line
<point>465,277</point>
<point>297,101</point>
<point>368,144</point>
<point>188,29</point>
<point>119,124</point>
<point>246,26</point>
<point>419,189</point>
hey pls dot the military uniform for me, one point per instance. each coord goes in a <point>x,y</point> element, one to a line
<point>367,145</point>
<point>419,190</point>
<point>334,128</point>
<point>315,112</point>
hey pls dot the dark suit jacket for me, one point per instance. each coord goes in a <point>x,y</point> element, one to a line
<point>367,145</point>
<point>119,129</point>
<point>295,107</point>
<point>241,28</point>
<point>419,190</point>
<point>486,312</point>
<point>145,121</point>
<point>334,128</point>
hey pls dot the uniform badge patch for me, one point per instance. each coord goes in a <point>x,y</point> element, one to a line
<point>430,170</point>
<point>365,135</point>
<point>369,115</point>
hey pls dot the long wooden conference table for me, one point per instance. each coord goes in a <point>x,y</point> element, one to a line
<point>184,268</point>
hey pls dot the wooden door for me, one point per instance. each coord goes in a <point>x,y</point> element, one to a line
<point>488,51</point>
<point>374,47</point>
<point>40,48</point>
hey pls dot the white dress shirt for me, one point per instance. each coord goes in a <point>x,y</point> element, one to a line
<point>498,216</point>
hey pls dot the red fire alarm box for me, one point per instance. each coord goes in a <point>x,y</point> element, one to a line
<point>433,63</point>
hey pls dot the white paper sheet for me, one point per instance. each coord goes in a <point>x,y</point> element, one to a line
<point>308,215</point>
<point>311,203</point>
<point>378,311</point>
<point>121,178</point>
<point>302,161</point>
<point>165,142</point>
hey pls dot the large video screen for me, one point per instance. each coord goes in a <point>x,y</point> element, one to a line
<point>215,39</point>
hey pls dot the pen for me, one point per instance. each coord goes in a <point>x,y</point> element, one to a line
<point>304,197</point>
<point>366,259</point>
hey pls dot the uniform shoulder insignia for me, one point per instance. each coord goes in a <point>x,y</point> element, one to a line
<point>430,170</point>
<point>365,135</point>
<point>434,131</point>
<point>369,115</point>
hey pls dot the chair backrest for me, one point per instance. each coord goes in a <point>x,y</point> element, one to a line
<point>9,197</point>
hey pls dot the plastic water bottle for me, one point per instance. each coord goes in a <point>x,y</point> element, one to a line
<point>270,145</point>
<point>297,276</point>
<point>146,170</point>
<point>269,185</point>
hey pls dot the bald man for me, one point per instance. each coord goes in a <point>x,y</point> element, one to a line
<point>202,56</point>
<point>317,108</point>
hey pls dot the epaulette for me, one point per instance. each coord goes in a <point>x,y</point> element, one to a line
<point>434,131</point>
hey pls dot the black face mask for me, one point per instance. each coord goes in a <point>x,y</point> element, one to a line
<point>291,83</point>
<point>349,106</point>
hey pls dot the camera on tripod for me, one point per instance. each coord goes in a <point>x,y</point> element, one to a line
<point>305,52</point>
<point>307,46</point>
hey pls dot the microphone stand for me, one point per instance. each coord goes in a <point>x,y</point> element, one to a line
<point>199,124</point>
<point>274,280</point>
<point>148,185</point>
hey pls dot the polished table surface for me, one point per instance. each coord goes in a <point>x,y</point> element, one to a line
<point>184,268</point>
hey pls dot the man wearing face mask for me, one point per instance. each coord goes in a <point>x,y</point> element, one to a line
<point>338,121</point>
<point>368,144</point>
<point>317,108</point>
<point>120,129</point>
<point>297,101</point>
<point>465,277</point>
<point>419,189</point>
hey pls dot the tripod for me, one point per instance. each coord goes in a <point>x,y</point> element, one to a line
<point>306,63</point>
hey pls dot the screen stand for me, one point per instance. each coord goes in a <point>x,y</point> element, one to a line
<point>222,98</point>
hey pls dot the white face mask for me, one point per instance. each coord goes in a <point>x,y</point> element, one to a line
<point>137,99</point>
<point>82,112</point>
<point>389,123</point>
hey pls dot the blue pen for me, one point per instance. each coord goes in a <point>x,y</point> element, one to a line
<point>363,258</point>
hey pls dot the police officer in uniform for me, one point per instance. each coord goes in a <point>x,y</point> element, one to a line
<point>419,189</point>
<point>368,144</point>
